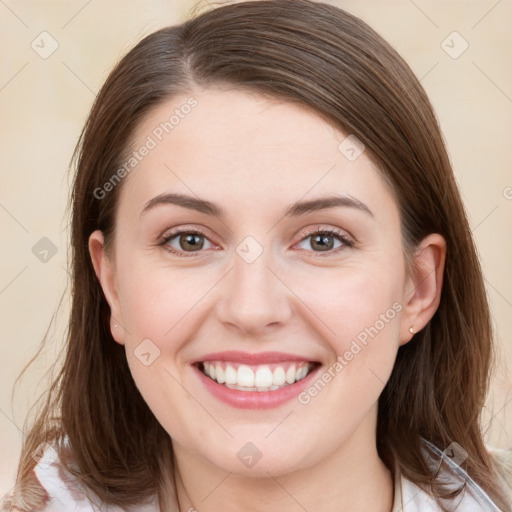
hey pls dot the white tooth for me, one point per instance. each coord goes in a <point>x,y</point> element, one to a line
<point>301,373</point>
<point>278,377</point>
<point>212,371</point>
<point>290,374</point>
<point>230,375</point>
<point>219,377</point>
<point>262,388</point>
<point>245,376</point>
<point>263,377</point>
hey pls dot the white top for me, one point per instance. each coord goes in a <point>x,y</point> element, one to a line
<point>66,493</point>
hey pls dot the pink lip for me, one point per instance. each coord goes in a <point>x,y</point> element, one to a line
<point>254,399</point>
<point>236,356</point>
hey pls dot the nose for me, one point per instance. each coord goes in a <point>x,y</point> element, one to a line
<point>255,298</point>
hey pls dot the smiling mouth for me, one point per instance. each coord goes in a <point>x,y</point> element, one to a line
<point>265,377</point>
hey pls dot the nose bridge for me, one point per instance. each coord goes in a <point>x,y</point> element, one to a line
<point>255,297</point>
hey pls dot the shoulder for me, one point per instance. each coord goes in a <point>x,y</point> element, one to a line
<point>503,461</point>
<point>471,499</point>
<point>62,491</point>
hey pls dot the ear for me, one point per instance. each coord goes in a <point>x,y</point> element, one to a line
<point>422,291</point>
<point>104,269</point>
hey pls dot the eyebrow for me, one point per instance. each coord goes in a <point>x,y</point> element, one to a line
<point>295,210</point>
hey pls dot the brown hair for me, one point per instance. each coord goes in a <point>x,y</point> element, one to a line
<point>323,58</point>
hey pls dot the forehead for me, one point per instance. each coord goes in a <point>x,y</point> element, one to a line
<point>234,144</point>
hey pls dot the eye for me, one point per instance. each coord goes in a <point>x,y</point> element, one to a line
<point>323,240</point>
<point>186,241</point>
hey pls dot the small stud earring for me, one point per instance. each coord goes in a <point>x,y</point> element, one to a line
<point>411,330</point>
<point>115,325</point>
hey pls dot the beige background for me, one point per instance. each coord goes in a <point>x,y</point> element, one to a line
<point>44,103</point>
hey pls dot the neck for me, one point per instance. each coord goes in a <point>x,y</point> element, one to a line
<point>353,478</point>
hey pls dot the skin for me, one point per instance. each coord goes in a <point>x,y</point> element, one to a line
<point>256,156</point>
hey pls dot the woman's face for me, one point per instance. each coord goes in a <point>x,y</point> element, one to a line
<point>298,266</point>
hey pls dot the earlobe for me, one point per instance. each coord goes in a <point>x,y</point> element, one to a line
<point>424,286</point>
<point>103,268</point>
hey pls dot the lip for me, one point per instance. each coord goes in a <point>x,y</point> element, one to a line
<point>237,356</point>
<point>255,399</point>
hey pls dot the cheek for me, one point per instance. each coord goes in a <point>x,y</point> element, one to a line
<point>358,312</point>
<point>351,301</point>
<point>157,302</point>
<point>159,385</point>
<point>362,310</point>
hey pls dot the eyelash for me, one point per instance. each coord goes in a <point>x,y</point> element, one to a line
<point>346,242</point>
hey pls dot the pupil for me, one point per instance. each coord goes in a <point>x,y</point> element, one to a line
<point>324,245</point>
<point>193,241</point>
